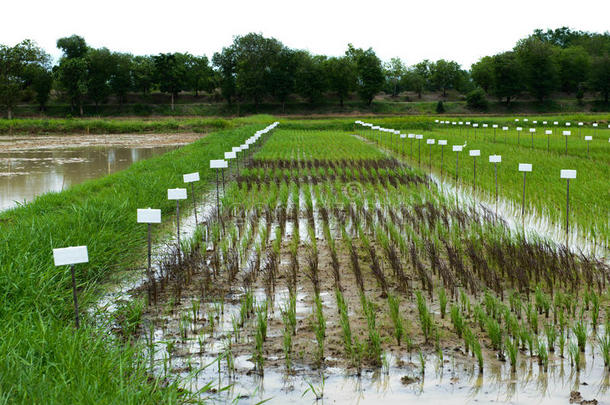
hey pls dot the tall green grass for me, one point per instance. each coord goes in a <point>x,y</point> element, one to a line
<point>43,358</point>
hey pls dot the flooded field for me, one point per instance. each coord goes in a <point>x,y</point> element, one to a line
<point>34,165</point>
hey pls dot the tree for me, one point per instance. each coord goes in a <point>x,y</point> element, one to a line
<point>341,75</point>
<point>600,75</point>
<point>170,73</point>
<point>508,76</point>
<point>539,68</point>
<point>310,76</point>
<point>121,79</point>
<point>414,81</point>
<point>40,79</point>
<point>369,72</point>
<point>573,64</point>
<point>424,70</point>
<point>482,73</point>
<point>199,74</point>
<point>226,65</point>
<point>14,63</point>
<point>143,72</point>
<point>394,71</point>
<point>444,75</point>
<point>99,69</point>
<point>476,99</point>
<point>73,70</point>
<point>282,75</point>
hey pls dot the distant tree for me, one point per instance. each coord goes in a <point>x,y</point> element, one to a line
<point>121,77</point>
<point>424,70</point>
<point>73,70</point>
<point>445,75</point>
<point>440,107</point>
<point>226,65</point>
<point>476,99</point>
<point>40,79</point>
<point>100,65</point>
<point>73,47</point>
<point>482,73</point>
<point>414,81</point>
<point>310,76</point>
<point>394,72</point>
<point>170,74</point>
<point>282,75</point>
<point>508,76</point>
<point>573,64</point>
<point>600,76</point>
<point>341,74</point>
<point>199,74</point>
<point>143,71</point>
<point>14,63</point>
<point>539,68</point>
<point>369,72</point>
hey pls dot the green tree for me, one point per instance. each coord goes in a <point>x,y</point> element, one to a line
<point>341,74</point>
<point>121,77</point>
<point>143,72</point>
<point>170,74</point>
<point>573,63</point>
<point>508,76</point>
<point>394,72</point>
<point>199,74</point>
<point>226,65</point>
<point>99,69</point>
<point>73,70</point>
<point>476,99</point>
<point>414,81</point>
<point>282,75</point>
<point>73,47</point>
<point>40,79</point>
<point>445,75</point>
<point>14,63</point>
<point>539,67</point>
<point>600,76</point>
<point>369,72</point>
<point>482,73</point>
<point>310,76</point>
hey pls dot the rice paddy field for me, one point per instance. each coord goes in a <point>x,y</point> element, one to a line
<point>343,265</point>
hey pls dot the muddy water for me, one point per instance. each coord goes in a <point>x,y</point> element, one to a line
<point>31,166</point>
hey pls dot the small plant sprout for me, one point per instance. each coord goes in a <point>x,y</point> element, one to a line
<point>396,317</point>
<point>442,301</point>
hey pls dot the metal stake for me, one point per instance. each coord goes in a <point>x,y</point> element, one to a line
<point>194,203</point>
<point>76,314</point>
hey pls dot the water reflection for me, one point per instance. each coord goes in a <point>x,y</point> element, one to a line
<point>25,174</point>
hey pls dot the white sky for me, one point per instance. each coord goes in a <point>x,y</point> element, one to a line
<point>461,30</point>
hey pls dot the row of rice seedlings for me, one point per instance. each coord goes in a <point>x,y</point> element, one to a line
<point>290,323</point>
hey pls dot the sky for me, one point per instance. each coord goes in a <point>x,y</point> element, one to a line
<point>463,31</point>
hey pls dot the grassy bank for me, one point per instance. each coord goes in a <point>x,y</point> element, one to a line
<point>44,360</point>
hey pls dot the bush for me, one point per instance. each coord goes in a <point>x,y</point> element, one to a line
<point>476,100</point>
<point>440,107</point>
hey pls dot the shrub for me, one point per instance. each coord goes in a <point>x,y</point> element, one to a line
<point>476,100</point>
<point>440,107</point>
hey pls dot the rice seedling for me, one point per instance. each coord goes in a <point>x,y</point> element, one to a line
<point>551,336</point>
<point>494,331</point>
<point>374,341</point>
<point>580,331</point>
<point>458,320</point>
<point>425,317</point>
<point>397,321</point>
<point>442,301</point>
<point>543,355</point>
<point>319,327</point>
<point>511,346</point>
<point>422,363</point>
<point>604,347</point>
<point>574,351</point>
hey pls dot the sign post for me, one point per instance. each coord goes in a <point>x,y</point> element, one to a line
<point>149,216</point>
<point>519,129</point>
<point>218,164</point>
<point>474,153</point>
<point>588,138</point>
<point>70,256</point>
<point>524,167</point>
<point>548,133</point>
<point>430,142</point>
<point>192,178</point>
<point>403,136</point>
<point>566,134</point>
<point>411,136</point>
<point>457,149</point>
<point>495,126</point>
<point>442,143</point>
<point>236,149</point>
<point>505,129</point>
<point>495,159</point>
<point>532,132</point>
<point>177,194</point>
<point>419,138</point>
<point>568,174</point>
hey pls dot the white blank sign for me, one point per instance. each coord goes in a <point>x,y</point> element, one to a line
<point>504,128</point>
<point>568,174</point>
<point>176,193</point>
<point>430,141</point>
<point>419,137</point>
<point>595,124</point>
<point>230,155</point>
<point>402,136</point>
<point>525,167</point>
<point>475,125</point>
<point>495,158</point>
<point>548,132</point>
<point>532,130</point>
<point>442,142</point>
<point>191,177</point>
<point>149,216</point>
<point>218,164</point>
<point>236,149</point>
<point>495,125</point>
<point>566,133</point>
<point>519,129</point>
<point>588,138</point>
<point>411,136</point>
<point>475,152</point>
<point>457,148</point>
<point>70,255</point>
<point>244,146</point>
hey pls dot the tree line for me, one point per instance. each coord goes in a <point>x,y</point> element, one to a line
<point>255,69</point>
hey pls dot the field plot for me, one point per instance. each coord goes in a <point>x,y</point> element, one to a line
<point>337,272</point>
<point>545,190</point>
